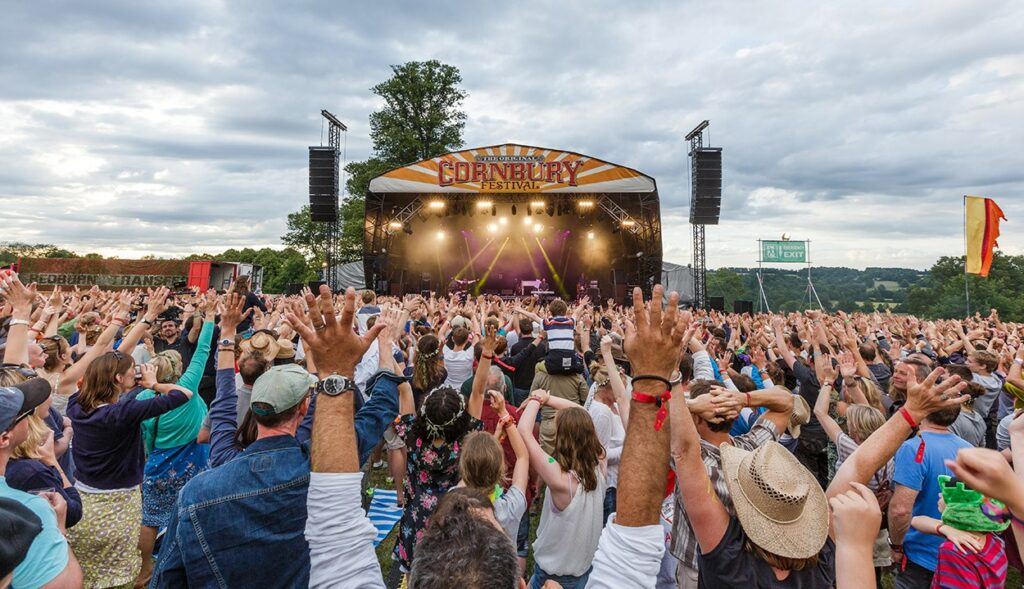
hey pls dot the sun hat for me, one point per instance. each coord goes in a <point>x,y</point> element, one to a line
<point>281,387</point>
<point>285,349</point>
<point>263,342</point>
<point>779,503</point>
<point>800,416</point>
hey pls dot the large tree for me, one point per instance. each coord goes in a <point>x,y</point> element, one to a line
<point>421,118</point>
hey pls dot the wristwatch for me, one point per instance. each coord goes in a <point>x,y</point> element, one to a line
<point>227,342</point>
<point>335,384</point>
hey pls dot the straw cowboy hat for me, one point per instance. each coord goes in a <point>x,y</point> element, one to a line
<point>263,342</point>
<point>779,503</point>
<point>800,416</point>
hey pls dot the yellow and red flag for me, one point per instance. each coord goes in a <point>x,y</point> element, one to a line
<point>981,228</point>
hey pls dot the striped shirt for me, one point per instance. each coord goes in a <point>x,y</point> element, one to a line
<point>560,332</point>
<point>969,571</point>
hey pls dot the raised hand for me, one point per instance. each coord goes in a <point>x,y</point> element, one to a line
<point>490,341</point>
<point>233,314</point>
<point>987,472</point>
<point>847,365</point>
<point>497,402</point>
<point>856,516</point>
<point>157,303</point>
<point>17,294</point>
<point>924,398</point>
<point>332,342</point>
<point>653,340</point>
<point>148,378</point>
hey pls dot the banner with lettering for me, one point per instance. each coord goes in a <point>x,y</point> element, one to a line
<point>512,168</point>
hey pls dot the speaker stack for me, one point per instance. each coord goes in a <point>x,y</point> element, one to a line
<point>741,307</point>
<point>716,304</point>
<point>707,186</point>
<point>323,184</point>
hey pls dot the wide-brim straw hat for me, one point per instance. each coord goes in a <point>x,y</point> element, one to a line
<point>778,501</point>
<point>285,349</point>
<point>801,415</point>
<point>262,342</point>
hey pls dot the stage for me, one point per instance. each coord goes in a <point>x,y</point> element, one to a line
<point>501,219</point>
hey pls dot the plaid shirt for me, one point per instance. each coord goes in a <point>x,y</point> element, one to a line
<point>684,541</point>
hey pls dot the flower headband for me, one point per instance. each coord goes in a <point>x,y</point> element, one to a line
<point>437,431</point>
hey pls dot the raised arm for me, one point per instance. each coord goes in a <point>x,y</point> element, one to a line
<point>780,342</point>
<point>615,380</point>
<point>922,399</point>
<point>476,398</point>
<point>821,412</point>
<point>548,470</point>
<point>20,297</point>
<point>156,304</point>
<point>69,379</point>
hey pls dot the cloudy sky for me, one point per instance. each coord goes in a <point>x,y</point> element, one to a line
<point>134,128</point>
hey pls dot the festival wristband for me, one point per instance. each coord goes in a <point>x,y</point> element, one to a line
<point>909,419</point>
<point>660,401</point>
<point>661,379</point>
<point>14,322</point>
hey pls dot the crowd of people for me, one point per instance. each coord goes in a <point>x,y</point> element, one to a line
<point>204,439</point>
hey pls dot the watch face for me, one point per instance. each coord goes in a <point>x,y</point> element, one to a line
<point>335,385</point>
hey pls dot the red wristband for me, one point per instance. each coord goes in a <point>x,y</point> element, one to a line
<point>748,399</point>
<point>910,420</point>
<point>661,401</point>
<point>487,357</point>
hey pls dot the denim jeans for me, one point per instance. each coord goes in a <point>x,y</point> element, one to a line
<point>609,504</point>
<point>523,535</point>
<point>566,581</point>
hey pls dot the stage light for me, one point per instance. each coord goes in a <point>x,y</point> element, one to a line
<point>628,223</point>
<point>537,203</point>
<point>436,205</point>
<point>395,225</point>
<point>503,220</point>
<point>586,204</point>
<point>537,227</point>
<point>590,235</point>
<point>492,228</point>
<point>483,204</point>
<point>527,221</point>
<point>441,235</point>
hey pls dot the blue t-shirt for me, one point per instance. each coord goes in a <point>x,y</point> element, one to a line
<point>923,549</point>
<point>48,555</point>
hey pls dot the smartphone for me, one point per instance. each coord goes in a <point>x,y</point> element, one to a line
<point>138,372</point>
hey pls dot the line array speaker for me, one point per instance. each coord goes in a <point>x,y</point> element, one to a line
<point>323,184</point>
<point>706,203</point>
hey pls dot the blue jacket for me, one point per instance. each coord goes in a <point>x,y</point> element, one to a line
<point>242,523</point>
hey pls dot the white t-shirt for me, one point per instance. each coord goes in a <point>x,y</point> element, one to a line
<point>339,534</point>
<point>628,557</point>
<point>459,366</point>
<point>612,435</point>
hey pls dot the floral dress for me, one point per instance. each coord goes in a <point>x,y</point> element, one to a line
<point>430,472</point>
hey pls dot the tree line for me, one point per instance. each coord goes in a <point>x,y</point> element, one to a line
<point>935,293</point>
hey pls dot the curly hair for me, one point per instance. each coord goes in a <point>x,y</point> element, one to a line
<point>577,447</point>
<point>445,409</point>
<point>428,367</point>
<point>168,366</point>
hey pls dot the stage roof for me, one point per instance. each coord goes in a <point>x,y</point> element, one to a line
<point>513,168</point>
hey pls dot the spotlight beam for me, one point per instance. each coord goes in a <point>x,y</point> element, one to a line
<point>554,272</point>
<point>483,279</point>
<point>469,264</point>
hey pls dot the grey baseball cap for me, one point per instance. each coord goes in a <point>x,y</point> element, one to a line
<point>281,387</point>
<point>16,401</point>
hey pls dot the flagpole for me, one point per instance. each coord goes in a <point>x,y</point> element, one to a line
<point>967,290</point>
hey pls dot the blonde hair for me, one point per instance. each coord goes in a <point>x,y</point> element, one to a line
<point>37,431</point>
<point>872,392</point>
<point>863,420</point>
<point>168,366</point>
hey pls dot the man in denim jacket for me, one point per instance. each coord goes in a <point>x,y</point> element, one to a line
<point>242,524</point>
